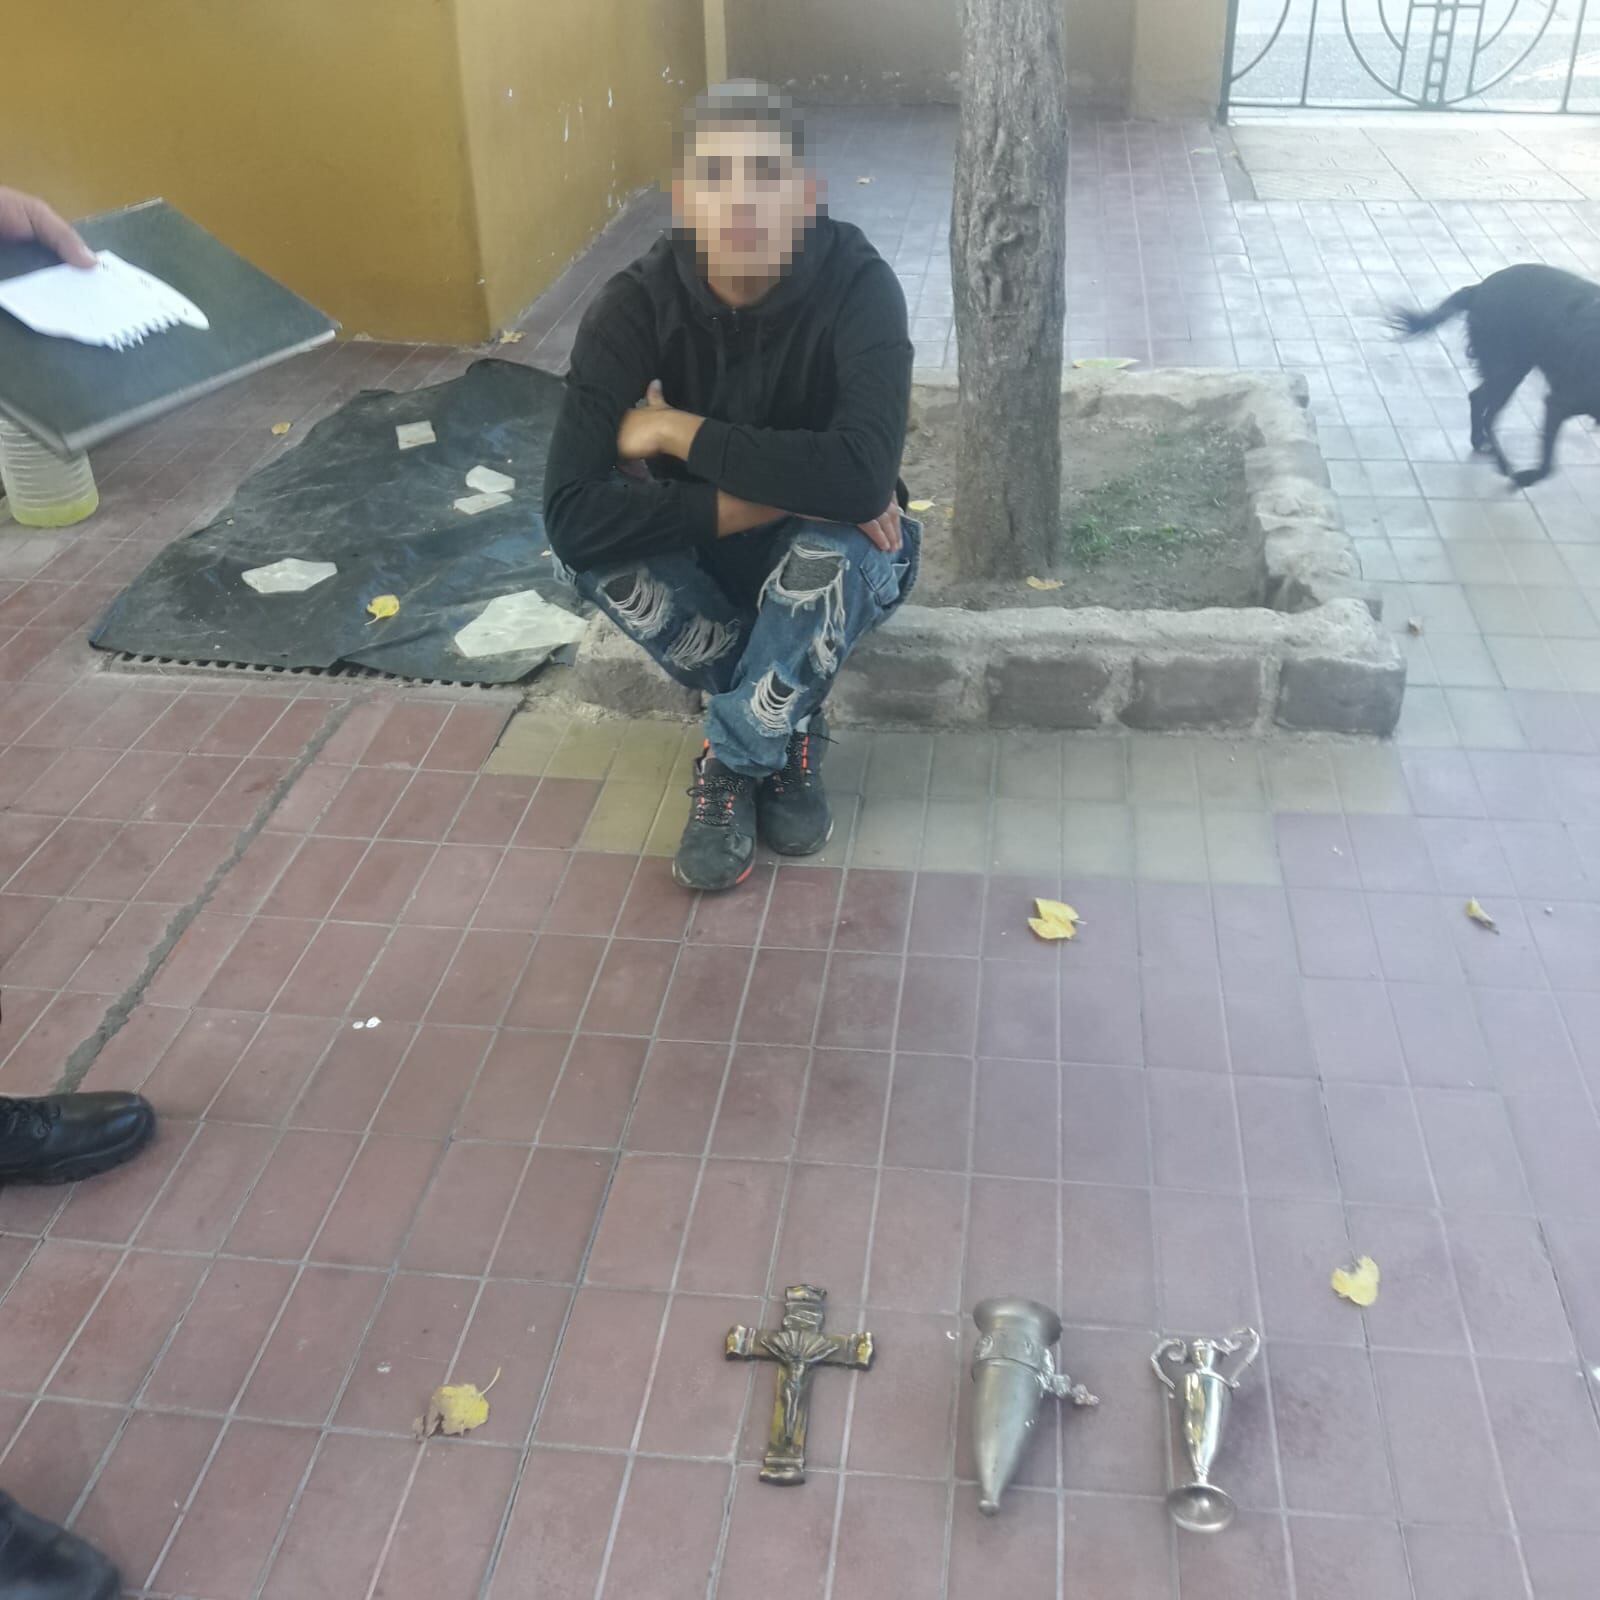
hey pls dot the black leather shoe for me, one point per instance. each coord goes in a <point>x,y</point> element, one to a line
<point>792,807</point>
<point>65,1137</point>
<point>718,846</point>
<point>39,1561</point>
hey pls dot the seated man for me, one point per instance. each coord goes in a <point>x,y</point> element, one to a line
<point>752,532</point>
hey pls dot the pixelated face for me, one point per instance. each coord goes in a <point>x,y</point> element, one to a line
<point>746,200</point>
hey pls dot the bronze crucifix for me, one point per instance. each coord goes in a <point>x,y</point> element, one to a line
<point>800,1347</point>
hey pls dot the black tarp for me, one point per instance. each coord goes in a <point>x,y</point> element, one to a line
<point>386,518</point>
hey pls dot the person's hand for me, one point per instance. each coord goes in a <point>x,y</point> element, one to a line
<point>639,437</point>
<point>884,530</point>
<point>24,217</point>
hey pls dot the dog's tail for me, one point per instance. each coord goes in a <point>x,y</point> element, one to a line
<point>1409,323</point>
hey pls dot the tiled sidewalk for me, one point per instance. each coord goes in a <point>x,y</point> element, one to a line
<point>598,1121</point>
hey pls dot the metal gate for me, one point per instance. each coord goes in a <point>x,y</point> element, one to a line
<point>1424,55</point>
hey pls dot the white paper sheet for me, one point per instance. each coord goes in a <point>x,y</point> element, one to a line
<point>289,576</point>
<point>472,504</point>
<point>525,621</point>
<point>488,481</point>
<point>112,304</point>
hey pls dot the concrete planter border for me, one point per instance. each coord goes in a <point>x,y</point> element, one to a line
<point>1314,658</point>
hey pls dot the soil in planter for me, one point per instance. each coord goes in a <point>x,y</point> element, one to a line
<point>1149,518</point>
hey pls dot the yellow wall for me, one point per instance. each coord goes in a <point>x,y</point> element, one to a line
<point>419,169</point>
<point>320,138</point>
<point>567,116</point>
<point>846,51</point>
<point>1099,38</point>
<point>1177,58</point>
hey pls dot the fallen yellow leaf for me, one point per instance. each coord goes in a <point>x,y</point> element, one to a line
<point>1481,917</point>
<point>1358,1284</point>
<point>1111,363</point>
<point>454,1408</point>
<point>385,605</point>
<point>511,336</point>
<point>920,505</point>
<point>1056,920</point>
<point>281,428</point>
<point>1045,583</point>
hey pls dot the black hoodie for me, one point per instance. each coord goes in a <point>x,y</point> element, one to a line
<point>806,396</point>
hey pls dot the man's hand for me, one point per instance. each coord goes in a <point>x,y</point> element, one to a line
<point>884,530</point>
<point>24,217</point>
<point>656,429</point>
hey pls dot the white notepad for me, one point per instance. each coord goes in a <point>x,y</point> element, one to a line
<point>113,304</point>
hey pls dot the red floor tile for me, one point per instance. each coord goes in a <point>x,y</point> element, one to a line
<point>136,1501</point>
<point>513,1086</point>
<point>228,1530</point>
<point>382,883</point>
<point>64,858</point>
<point>216,1344</point>
<point>67,1022</point>
<point>481,979</point>
<point>194,961</point>
<point>348,1087</point>
<point>735,1219</point>
<point>451,885</point>
<point>551,1222</point>
<point>341,1524</point>
<point>374,1210</point>
<point>591,1100</point>
<point>556,1537</point>
<point>669,1529</point>
<point>256,968</point>
<point>556,814</point>
<point>270,1074</point>
<point>600,1374</point>
<point>591,893</point>
<point>54,1294</point>
<point>292,1195</point>
<point>893,1525</point>
<point>304,1362</point>
<point>761,1102</point>
<point>405,735</point>
<point>554,989</point>
<point>458,1223</point>
<point>493,810</point>
<point>207,1188</point>
<point>677,1099</point>
<point>127,1330</point>
<point>467,738</point>
<point>428,807</point>
<point>433,1080</point>
<point>642,1229</point>
<point>514,1328</point>
<point>56,1451</point>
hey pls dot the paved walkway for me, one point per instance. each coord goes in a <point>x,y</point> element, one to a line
<point>597,1122</point>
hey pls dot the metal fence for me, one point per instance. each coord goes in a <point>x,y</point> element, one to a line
<point>1424,55</point>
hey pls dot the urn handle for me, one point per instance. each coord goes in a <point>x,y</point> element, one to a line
<point>1241,1339</point>
<point>1168,1349</point>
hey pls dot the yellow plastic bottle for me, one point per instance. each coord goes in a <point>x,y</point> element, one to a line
<point>44,490</point>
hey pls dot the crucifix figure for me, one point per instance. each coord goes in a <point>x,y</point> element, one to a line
<point>799,1346</point>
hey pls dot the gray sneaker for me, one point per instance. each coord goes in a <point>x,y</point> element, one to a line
<point>791,805</point>
<point>718,847</point>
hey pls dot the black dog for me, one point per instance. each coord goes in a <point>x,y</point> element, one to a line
<point>1518,319</point>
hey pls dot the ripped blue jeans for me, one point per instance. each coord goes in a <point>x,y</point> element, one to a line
<point>760,622</point>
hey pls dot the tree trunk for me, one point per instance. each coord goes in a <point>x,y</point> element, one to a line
<point>1008,264</point>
